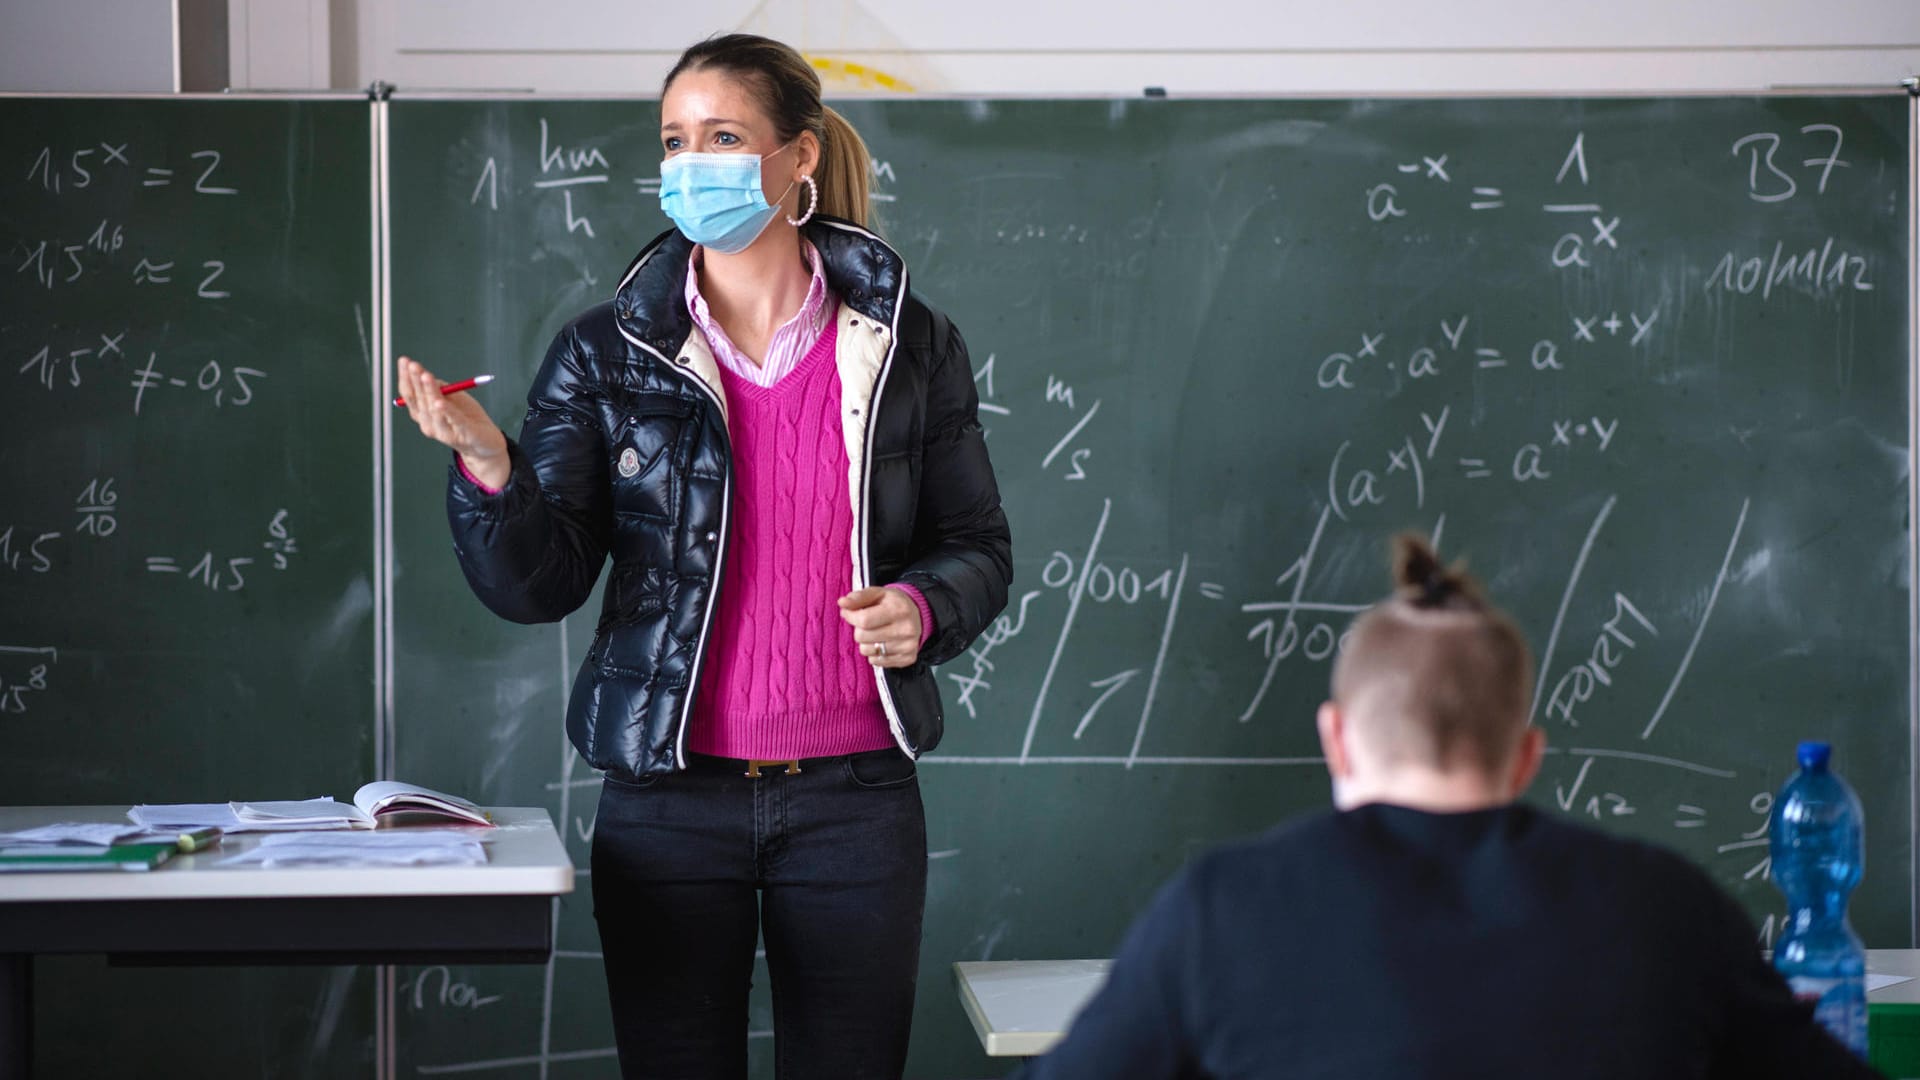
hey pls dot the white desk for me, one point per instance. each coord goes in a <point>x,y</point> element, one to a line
<point>1895,962</point>
<point>191,910</point>
<point>1023,1007</point>
<point>524,856</point>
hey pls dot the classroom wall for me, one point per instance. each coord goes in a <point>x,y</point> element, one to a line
<point>991,46</point>
<point>281,44</point>
<point>1120,46</point>
<point>75,46</point>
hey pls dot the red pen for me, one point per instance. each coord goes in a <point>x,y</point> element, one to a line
<point>453,388</point>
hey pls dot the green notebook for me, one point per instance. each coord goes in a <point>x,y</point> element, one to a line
<point>118,857</point>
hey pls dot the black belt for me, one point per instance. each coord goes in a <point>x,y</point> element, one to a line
<point>759,767</point>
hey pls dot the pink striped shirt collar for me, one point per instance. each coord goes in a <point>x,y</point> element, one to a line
<point>791,342</point>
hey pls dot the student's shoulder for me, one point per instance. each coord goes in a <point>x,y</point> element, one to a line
<point>1622,866</point>
<point>1541,838</point>
<point>1305,831</point>
<point>1546,832</point>
<point>1254,862</point>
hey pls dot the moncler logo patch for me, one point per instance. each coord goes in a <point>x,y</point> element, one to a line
<point>629,461</point>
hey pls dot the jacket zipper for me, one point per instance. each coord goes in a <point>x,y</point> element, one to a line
<point>887,703</point>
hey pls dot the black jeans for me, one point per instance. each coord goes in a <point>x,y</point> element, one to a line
<point>831,865</point>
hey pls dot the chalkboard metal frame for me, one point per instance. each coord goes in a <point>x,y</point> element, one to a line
<point>383,736</point>
<point>1912,87</point>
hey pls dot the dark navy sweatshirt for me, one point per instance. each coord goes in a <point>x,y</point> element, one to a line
<point>1385,943</point>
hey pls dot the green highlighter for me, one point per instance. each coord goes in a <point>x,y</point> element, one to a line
<point>118,857</point>
<point>198,839</point>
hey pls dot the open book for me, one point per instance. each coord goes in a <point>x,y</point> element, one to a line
<point>392,802</point>
<point>382,802</point>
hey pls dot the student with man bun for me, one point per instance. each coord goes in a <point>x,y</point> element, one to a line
<point>1430,927</point>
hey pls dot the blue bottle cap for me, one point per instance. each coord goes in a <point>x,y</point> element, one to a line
<point>1814,755</point>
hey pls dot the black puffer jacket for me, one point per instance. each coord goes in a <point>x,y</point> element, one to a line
<point>635,374</point>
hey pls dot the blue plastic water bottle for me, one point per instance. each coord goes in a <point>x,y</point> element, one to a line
<point>1818,845</point>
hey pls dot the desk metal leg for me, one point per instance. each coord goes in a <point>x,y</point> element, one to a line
<point>16,1016</point>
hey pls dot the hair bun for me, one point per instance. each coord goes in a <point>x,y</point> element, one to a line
<point>1422,580</point>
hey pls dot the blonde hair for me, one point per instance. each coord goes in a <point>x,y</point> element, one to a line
<point>788,91</point>
<point>1435,674</point>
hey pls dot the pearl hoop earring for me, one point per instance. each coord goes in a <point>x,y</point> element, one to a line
<point>813,202</point>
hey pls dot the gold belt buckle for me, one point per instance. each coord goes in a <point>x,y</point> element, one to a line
<point>790,766</point>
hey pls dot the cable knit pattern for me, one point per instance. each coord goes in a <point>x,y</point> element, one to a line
<point>783,678</point>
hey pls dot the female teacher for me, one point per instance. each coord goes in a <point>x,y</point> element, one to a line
<point>777,444</point>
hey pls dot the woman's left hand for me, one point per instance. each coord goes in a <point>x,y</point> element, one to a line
<point>886,625</point>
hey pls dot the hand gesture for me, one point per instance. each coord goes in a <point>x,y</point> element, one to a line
<point>455,420</point>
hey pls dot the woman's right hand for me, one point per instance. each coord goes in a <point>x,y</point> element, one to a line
<point>456,421</point>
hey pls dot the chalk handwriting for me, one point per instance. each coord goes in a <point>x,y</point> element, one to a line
<point>1610,648</point>
<point>227,575</point>
<point>1810,271</point>
<point>224,388</point>
<point>452,994</point>
<point>1004,629</point>
<point>25,674</point>
<point>96,508</point>
<point>1778,185</point>
<point>280,542</point>
<point>28,552</point>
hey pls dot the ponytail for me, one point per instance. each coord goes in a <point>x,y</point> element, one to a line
<point>846,171</point>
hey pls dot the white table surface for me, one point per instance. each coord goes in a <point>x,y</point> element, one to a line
<point>1023,1007</point>
<point>524,857</point>
<point>1895,962</point>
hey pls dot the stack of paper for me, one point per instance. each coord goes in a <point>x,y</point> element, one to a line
<point>245,817</point>
<point>94,834</point>
<point>424,847</point>
<point>303,814</point>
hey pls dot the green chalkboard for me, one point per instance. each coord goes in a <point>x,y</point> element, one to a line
<point>1644,362</point>
<point>186,515</point>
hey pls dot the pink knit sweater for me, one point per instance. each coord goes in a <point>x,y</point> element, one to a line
<point>783,677</point>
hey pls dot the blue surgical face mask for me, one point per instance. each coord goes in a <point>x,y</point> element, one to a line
<point>717,199</point>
